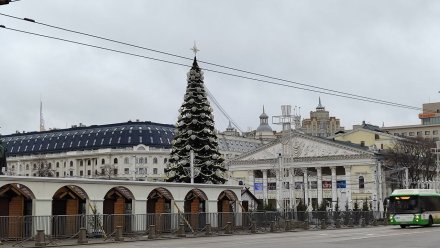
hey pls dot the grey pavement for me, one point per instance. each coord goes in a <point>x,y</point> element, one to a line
<point>388,236</point>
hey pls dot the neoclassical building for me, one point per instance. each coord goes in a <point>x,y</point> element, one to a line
<point>320,123</point>
<point>131,150</point>
<point>307,168</point>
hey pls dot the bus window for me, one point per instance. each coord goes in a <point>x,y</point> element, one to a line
<point>404,204</point>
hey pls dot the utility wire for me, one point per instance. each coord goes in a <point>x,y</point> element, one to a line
<point>209,63</point>
<point>212,70</point>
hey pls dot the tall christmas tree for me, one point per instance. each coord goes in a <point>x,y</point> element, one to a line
<point>195,132</point>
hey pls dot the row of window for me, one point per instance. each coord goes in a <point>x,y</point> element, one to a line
<point>140,171</point>
<point>89,162</point>
<point>418,133</point>
<point>431,121</point>
<point>142,160</point>
<point>313,185</point>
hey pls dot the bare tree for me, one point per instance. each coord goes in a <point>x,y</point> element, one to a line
<point>413,153</point>
<point>43,168</point>
<point>108,171</point>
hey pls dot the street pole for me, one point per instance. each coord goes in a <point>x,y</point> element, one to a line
<point>191,157</point>
<point>406,178</point>
<point>380,186</point>
<point>279,183</point>
<point>437,152</point>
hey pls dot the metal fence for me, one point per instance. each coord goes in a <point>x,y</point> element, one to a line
<point>104,226</point>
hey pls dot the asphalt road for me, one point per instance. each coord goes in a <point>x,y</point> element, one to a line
<point>378,237</point>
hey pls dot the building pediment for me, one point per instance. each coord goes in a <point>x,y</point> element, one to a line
<point>299,145</point>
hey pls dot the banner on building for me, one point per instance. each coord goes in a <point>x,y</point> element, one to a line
<point>341,184</point>
<point>326,184</point>
<point>258,186</point>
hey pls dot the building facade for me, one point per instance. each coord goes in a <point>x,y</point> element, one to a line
<point>320,123</point>
<point>429,127</point>
<point>366,135</point>
<point>312,170</point>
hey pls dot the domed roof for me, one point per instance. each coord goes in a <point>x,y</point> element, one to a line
<point>264,128</point>
<point>264,116</point>
<point>118,135</point>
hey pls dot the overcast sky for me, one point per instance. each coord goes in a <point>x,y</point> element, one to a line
<point>388,50</point>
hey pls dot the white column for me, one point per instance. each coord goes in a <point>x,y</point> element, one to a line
<point>92,162</point>
<point>348,185</point>
<point>380,193</point>
<point>61,169</point>
<point>334,188</point>
<point>76,172</point>
<point>265,187</point>
<point>306,187</point>
<point>374,188</point>
<point>319,183</point>
<point>18,169</point>
<point>292,202</point>
<point>251,180</point>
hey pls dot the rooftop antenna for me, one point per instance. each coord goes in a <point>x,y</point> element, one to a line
<point>41,117</point>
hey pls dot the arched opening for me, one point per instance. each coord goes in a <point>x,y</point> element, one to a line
<point>68,210</point>
<point>195,208</point>
<point>159,208</point>
<point>226,207</point>
<point>15,211</point>
<point>159,201</point>
<point>117,209</point>
<point>361,182</point>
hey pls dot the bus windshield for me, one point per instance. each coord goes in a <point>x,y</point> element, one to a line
<point>404,204</point>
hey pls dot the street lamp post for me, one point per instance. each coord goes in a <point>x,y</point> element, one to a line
<point>191,158</point>
<point>437,170</point>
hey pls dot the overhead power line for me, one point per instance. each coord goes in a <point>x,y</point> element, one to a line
<point>212,70</point>
<point>214,64</point>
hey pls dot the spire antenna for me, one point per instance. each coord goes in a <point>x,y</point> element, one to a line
<point>42,128</point>
<point>195,49</point>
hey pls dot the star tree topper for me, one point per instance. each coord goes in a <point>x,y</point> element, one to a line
<point>195,49</point>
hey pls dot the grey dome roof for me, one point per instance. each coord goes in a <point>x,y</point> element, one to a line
<point>118,135</point>
<point>264,128</point>
<point>264,116</point>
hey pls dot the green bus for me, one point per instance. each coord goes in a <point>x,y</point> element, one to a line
<point>409,207</point>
